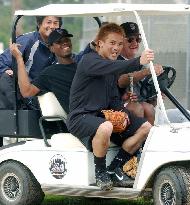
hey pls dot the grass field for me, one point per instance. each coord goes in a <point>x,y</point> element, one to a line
<point>61,200</point>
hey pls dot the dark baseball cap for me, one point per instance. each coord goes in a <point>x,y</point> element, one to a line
<point>130,29</point>
<point>57,34</point>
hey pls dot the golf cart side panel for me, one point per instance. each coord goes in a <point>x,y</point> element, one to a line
<point>64,166</point>
<point>27,123</point>
<point>162,147</point>
<point>55,165</point>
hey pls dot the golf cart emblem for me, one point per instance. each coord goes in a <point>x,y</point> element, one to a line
<point>57,166</point>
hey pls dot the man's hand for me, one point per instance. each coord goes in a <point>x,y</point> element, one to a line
<point>16,53</point>
<point>9,72</point>
<point>158,69</point>
<point>132,97</point>
<point>146,56</point>
<point>14,49</point>
<point>128,96</point>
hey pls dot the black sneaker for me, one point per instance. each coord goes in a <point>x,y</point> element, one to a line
<point>119,178</point>
<point>104,181</point>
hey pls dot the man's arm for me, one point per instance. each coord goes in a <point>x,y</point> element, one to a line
<point>123,80</point>
<point>26,88</point>
<point>99,65</point>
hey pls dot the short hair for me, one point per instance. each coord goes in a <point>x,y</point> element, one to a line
<point>108,28</point>
<point>39,20</point>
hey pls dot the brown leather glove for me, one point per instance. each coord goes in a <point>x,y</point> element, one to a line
<point>119,120</point>
<point>130,168</point>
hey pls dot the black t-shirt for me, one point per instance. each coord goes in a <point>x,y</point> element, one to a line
<point>57,79</point>
<point>94,86</point>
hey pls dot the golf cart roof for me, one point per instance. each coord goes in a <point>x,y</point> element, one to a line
<point>106,9</point>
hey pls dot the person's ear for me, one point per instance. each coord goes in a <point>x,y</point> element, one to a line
<point>51,49</point>
<point>100,43</point>
<point>38,27</point>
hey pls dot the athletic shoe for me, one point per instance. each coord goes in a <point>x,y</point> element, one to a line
<point>119,178</point>
<point>104,181</point>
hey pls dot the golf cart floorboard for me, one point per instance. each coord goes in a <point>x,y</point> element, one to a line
<point>90,191</point>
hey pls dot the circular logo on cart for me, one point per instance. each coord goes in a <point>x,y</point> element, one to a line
<point>57,166</point>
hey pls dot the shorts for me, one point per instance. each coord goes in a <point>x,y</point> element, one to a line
<point>84,127</point>
<point>135,124</point>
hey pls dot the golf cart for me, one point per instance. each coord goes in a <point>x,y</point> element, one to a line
<point>58,163</point>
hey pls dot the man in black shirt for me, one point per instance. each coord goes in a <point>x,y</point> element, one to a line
<point>55,78</point>
<point>94,88</point>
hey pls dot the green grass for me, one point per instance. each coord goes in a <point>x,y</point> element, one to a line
<point>62,200</point>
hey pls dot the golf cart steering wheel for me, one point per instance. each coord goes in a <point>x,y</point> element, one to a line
<point>165,80</point>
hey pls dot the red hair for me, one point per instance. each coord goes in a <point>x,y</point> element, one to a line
<point>108,28</point>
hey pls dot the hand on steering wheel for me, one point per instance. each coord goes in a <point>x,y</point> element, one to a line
<point>165,80</point>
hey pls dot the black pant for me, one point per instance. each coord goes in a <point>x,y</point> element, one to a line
<point>7,96</point>
<point>6,92</point>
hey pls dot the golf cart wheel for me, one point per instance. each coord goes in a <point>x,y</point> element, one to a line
<point>171,187</point>
<point>18,186</point>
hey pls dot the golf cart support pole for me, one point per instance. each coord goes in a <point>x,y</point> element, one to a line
<point>98,21</point>
<point>159,96</point>
<point>15,79</point>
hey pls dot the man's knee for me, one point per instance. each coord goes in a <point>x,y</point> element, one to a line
<point>148,108</point>
<point>106,128</point>
<point>145,128</point>
<point>104,132</point>
<point>136,108</point>
<point>133,143</point>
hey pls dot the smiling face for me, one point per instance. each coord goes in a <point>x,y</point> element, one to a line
<point>48,24</point>
<point>111,46</point>
<point>131,46</point>
<point>62,48</point>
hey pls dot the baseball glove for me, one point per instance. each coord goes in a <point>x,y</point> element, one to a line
<point>130,168</point>
<point>119,120</point>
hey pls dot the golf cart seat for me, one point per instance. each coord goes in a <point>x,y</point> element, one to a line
<point>52,111</point>
<point>50,107</point>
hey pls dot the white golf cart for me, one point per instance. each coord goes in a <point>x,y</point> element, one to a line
<point>56,162</point>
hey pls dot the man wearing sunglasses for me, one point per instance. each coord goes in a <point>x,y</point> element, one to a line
<point>132,40</point>
<point>130,50</point>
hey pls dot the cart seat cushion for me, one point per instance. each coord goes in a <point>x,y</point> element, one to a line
<point>66,141</point>
<point>50,106</point>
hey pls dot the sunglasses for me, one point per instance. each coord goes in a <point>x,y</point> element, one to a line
<point>131,39</point>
